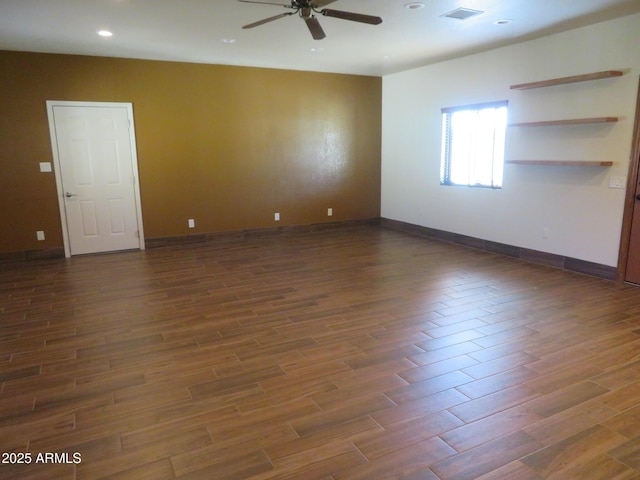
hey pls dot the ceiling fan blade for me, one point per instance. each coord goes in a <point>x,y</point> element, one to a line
<point>267,20</point>
<point>322,3</point>
<point>315,28</point>
<point>354,17</point>
<point>266,3</point>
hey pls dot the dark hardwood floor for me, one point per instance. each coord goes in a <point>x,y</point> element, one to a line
<point>346,353</point>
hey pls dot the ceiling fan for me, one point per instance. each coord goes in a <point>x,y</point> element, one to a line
<point>307,9</point>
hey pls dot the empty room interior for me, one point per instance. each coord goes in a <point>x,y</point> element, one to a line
<point>320,239</point>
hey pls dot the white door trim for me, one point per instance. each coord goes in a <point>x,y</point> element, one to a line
<point>57,169</point>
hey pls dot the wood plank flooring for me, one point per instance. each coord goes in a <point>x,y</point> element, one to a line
<point>338,354</point>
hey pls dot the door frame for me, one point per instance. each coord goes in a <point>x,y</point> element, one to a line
<point>58,172</point>
<point>630,197</point>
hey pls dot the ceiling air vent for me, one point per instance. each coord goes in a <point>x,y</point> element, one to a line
<point>462,13</point>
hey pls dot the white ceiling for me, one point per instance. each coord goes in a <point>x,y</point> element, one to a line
<point>197,30</point>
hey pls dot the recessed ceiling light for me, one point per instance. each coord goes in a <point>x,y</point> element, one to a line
<point>414,5</point>
<point>316,49</point>
<point>229,40</point>
<point>105,33</point>
<point>503,21</point>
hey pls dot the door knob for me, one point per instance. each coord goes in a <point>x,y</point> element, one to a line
<point>69,195</point>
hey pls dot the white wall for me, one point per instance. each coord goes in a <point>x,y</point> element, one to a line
<point>582,214</point>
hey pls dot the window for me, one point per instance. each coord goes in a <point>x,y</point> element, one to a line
<point>473,145</point>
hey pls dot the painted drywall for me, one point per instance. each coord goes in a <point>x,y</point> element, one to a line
<point>573,207</point>
<point>226,146</point>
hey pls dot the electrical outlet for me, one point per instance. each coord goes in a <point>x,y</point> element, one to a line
<point>276,217</point>
<point>545,233</point>
<point>40,235</point>
<point>192,223</point>
<point>329,212</point>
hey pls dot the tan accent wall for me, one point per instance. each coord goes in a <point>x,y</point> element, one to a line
<point>227,146</point>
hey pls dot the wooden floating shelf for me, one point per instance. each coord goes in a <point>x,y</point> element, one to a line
<point>573,79</point>
<point>571,121</point>
<point>565,163</point>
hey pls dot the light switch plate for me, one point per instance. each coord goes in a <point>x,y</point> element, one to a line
<point>45,166</point>
<point>617,181</point>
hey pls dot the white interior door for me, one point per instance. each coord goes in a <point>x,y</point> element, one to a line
<point>96,174</point>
